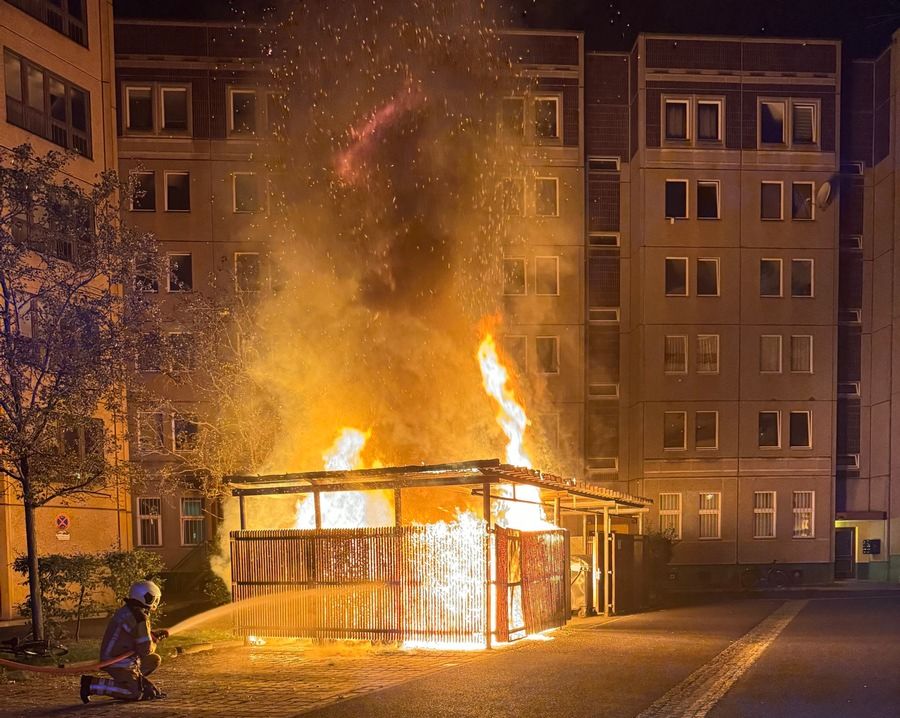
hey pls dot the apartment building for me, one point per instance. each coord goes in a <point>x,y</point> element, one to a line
<point>194,118</point>
<point>58,89</point>
<point>867,497</point>
<point>711,214</point>
<point>543,254</point>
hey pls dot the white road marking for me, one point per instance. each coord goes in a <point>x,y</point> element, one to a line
<point>696,695</point>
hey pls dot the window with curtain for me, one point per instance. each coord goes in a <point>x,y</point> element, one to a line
<point>670,515</point>
<point>802,200</point>
<point>803,504</point>
<point>708,120</point>
<point>763,514</point>
<point>191,522</point>
<point>707,353</point>
<point>803,124</point>
<point>710,515</point>
<point>676,355</point>
<point>676,119</point>
<point>771,121</point>
<point>770,354</point>
<point>676,276</point>
<point>801,353</point>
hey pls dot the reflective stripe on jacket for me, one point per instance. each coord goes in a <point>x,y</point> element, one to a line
<point>128,631</point>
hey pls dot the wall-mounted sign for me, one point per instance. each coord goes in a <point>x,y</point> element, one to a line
<point>62,527</point>
<point>872,546</point>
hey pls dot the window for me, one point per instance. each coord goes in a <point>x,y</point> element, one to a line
<point>547,354</point>
<point>276,112</point>
<point>804,506</point>
<point>144,188</point>
<point>139,109</point>
<point>512,117</point>
<point>515,346</point>
<point>185,430</point>
<point>242,120</point>
<point>676,276</point>
<point>802,200</point>
<point>181,273</point>
<point>149,521</point>
<point>769,430</point>
<point>801,353</point>
<point>770,206</point>
<point>770,277</point>
<point>245,187</point>
<point>181,348</point>
<point>801,277</point>
<point>709,115</point>
<point>676,199</point>
<point>676,119</point>
<point>673,430</point>
<point>670,515</point>
<point>514,275</point>
<point>178,192</point>
<point>803,124</point>
<point>146,280</point>
<point>546,118</point>
<point>706,430</point>
<point>546,276</point>
<point>174,109</point>
<point>191,522</point>
<point>771,123</point>
<point>86,441</point>
<point>247,274</point>
<point>800,436</point>
<point>708,277</point>
<point>47,105</point>
<point>513,196</point>
<point>676,355</point>
<point>707,353</point>
<point>710,515</point>
<point>707,199</point>
<point>546,196</point>
<point>763,514</point>
<point>67,18</point>
<point>150,431</point>
<point>770,354</point>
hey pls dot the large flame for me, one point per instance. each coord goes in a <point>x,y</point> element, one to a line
<point>526,511</point>
<point>346,509</point>
<point>511,417</point>
<point>346,451</point>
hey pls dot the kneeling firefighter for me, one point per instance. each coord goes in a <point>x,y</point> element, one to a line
<point>128,634</point>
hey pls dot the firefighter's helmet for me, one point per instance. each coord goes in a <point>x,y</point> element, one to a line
<point>145,593</point>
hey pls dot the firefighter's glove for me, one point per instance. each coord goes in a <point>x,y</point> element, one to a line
<point>159,635</point>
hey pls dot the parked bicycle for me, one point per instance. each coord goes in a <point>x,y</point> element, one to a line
<point>27,647</point>
<point>769,577</point>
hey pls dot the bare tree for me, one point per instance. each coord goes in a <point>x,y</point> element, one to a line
<point>205,385</point>
<point>70,327</point>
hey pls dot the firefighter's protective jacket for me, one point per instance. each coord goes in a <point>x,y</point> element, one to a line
<point>128,631</point>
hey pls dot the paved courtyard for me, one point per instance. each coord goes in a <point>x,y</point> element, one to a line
<point>792,656</point>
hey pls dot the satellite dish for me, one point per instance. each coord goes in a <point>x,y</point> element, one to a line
<point>823,196</point>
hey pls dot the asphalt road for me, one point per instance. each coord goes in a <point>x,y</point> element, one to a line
<point>822,657</point>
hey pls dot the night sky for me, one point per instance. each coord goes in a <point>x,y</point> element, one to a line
<point>865,26</point>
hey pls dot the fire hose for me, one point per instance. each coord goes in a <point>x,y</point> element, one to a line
<point>64,671</point>
<point>75,669</point>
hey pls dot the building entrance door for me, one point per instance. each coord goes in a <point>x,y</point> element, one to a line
<point>845,553</point>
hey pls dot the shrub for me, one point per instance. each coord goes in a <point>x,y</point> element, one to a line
<point>74,586</point>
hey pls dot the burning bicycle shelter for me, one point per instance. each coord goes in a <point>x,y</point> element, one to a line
<point>468,582</point>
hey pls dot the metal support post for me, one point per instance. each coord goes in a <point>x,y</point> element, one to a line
<point>398,508</point>
<point>243,514</point>
<point>318,507</point>
<point>486,510</point>
<point>607,564</point>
